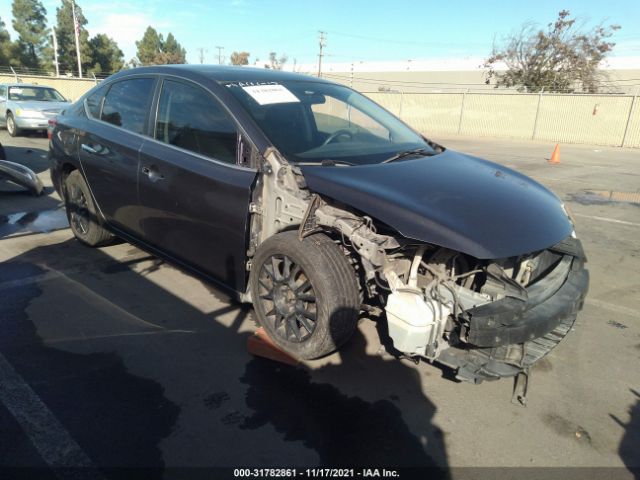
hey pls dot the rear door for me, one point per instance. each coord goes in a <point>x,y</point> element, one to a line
<point>194,195</point>
<point>109,148</point>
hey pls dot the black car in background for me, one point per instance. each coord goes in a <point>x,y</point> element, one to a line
<point>314,203</point>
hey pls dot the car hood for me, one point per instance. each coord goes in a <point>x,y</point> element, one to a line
<point>453,200</point>
<point>55,107</point>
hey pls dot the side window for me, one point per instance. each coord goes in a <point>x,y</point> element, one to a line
<point>190,118</point>
<point>94,102</point>
<point>127,102</point>
<point>3,91</point>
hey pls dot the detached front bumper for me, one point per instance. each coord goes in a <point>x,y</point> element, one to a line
<point>21,175</point>
<point>508,336</point>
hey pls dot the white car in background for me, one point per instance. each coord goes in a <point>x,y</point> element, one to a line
<point>29,107</point>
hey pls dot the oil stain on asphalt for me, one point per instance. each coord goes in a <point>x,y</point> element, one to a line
<point>118,419</point>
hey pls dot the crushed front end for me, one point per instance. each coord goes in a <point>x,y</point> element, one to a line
<point>486,319</point>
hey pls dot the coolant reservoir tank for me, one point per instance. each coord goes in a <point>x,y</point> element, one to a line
<point>411,321</point>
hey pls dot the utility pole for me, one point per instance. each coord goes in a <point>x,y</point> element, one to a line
<point>55,51</point>
<point>219,54</point>
<point>76,29</point>
<point>320,55</point>
<point>201,54</point>
<point>351,77</point>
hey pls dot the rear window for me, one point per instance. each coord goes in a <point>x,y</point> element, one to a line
<point>94,102</point>
<point>127,103</point>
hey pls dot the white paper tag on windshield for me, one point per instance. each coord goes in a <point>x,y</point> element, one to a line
<point>268,94</point>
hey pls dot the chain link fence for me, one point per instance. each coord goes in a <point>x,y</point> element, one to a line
<point>571,118</point>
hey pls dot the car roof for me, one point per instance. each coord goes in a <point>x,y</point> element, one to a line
<point>223,73</point>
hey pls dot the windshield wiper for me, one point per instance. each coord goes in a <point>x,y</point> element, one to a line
<point>422,152</point>
<point>328,163</point>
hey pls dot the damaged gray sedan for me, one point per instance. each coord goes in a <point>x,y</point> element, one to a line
<point>314,203</point>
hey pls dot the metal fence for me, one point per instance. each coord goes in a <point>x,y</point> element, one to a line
<point>571,118</point>
<point>605,119</point>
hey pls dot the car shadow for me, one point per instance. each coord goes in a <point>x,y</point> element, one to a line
<point>628,450</point>
<point>142,374</point>
<point>309,406</point>
<point>32,157</point>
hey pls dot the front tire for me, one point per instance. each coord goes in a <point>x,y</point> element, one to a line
<point>305,294</point>
<point>82,213</point>
<point>12,128</point>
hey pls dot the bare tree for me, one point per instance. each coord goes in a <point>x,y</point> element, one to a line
<point>275,62</point>
<point>240,58</point>
<point>564,58</point>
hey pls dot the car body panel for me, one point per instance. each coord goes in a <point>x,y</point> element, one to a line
<point>109,159</point>
<point>196,209</point>
<point>452,200</point>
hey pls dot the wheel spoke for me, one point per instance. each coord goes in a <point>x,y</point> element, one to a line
<point>291,320</point>
<point>308,326</point>
<point>269,273</point>
<point>287,327</point>
<point>276,270</point>
<point>286,270</point>
<point>303,288</point>
<point>294,272</point>
<point>269,288</point>
<point>306,297</point>
<point>271,312</point>
<point>310,315</point>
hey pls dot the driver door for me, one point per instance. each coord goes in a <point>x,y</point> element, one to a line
<point>194,196</point>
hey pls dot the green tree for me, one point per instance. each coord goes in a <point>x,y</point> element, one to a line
<point>240,58</point>
<point>6,47</point>
<point>67,58</point>
<point>149,47</point>
<point>173,51</point>
<point>30,23</point>
<point>563,58</point>
<point>154,50</point>
<point>106,55</point>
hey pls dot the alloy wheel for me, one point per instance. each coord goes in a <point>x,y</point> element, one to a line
<point>288,298</point>
<point>79,211</point>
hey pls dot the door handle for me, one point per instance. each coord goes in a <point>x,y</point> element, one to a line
<point>88,148</point>
<point>153,173</point>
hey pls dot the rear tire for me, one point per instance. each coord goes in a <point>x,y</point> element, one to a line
<point>12,128</point>
<point>82,213</point>
<point>305,294</point>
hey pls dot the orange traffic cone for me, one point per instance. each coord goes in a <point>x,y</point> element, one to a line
<point>260,345</point>
<point>555,156</point>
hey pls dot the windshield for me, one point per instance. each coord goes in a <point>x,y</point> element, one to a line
<point>35,94</point>
<point>313,122</point>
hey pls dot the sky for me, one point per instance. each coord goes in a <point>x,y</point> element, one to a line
<point>356,30</point>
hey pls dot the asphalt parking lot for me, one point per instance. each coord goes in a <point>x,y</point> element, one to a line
<point>110,357</point>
